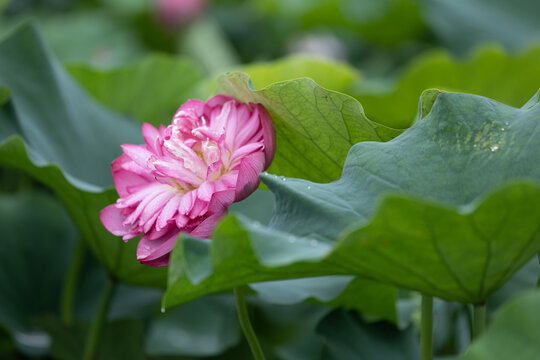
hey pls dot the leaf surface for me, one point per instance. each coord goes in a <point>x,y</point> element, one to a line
<point>489,72</point>
<point>150,90</point>
<point>449,208</point>
<point>51,130</point>
<point>315,127</point>
<point>513,333</point>
<point>457,23</point>
<point>347,337</point>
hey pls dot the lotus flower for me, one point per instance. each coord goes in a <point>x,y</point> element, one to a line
<point>174,13</point>
<point>186,174</point>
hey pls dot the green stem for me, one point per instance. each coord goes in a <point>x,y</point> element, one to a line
<point>479,319</point>
<point>426,328</point>
<point>243,316</point>
<point>70,284</point>
<point>92,340</point>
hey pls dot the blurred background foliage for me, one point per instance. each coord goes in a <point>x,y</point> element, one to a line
<point>143,58</point>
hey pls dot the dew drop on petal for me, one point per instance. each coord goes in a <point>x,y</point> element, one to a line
<point>309,187</point>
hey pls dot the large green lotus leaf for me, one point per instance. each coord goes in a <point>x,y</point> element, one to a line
<point>203,327</point>
<point>315,127</point>
<point>524,280</point>
<point>462,24</point>
<point>150,90</point>
<point>51,130</point>
<point>120,339</point>
<point>96,37</point>
<point>233,258</point>
<point>426,211</point>
<point>4,95</point>
<point>513,334</point>
<point>372,20</point>
<point>347,337</point>
<point>329,74</point>
<point>378,301</point>
<point>288,331</point>
<point>489,72</point>
<point>332,290</point>
<point>25,218</point>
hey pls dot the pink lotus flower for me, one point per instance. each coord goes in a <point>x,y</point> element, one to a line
<point>175,13</point>
<point>186,174</point>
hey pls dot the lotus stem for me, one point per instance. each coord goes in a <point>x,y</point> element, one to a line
<point>426,328</point>
<point>92,340</point>
<point>70,283</point>
<point>245,323</point>
<point>479,319</point>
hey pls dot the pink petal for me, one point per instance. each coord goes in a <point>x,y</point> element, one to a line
<point>154,233</point>
<point>211,152</point>
<point>126,181</point>
<point>205,228</point>
<point>204,132</point>
<point>177,171</point>
<point>218,123</point>
<point>157,190</point>
<point>138,153</point>
<point>182,221</point>
<point>153,249</point>
<point>195,105</point>
<point>155,206</point>
<point>159,262</point>
<point>246,150</point>
<point>269,135</point>
<point>112,220</point>
<point>231,126</point>
<point>219,100</point>
<point>221,200</point>
<point>125,163</point>
<point>149,224</point>
<point>248,175</point>
<point>140,193</point>
<point>187,203</point>
<point>205,191</point>
<point>168,212</point>
<point>151,136</point>
<point>249,128</point>
<point>200,207</point>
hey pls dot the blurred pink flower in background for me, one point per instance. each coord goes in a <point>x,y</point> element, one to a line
<point>186,174</point>
<point>174,13</point>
